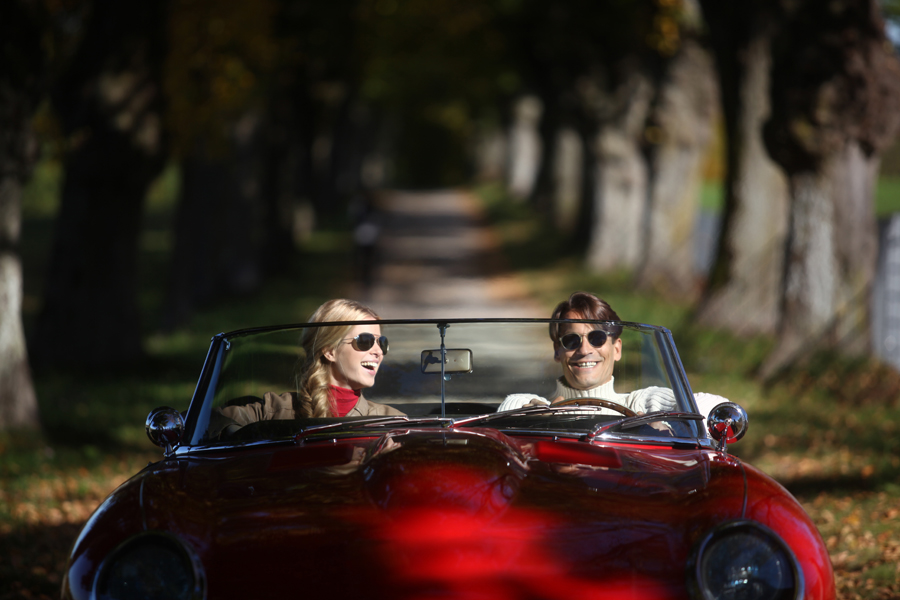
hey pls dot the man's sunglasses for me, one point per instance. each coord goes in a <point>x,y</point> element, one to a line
<point>364,342</point>
<point>573,341</point>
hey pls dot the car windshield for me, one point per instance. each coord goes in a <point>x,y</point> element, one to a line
<point>457,373</point>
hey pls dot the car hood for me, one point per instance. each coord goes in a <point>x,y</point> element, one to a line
<point>414,510</point>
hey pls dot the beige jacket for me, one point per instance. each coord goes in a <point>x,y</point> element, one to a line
<point>281,406</point>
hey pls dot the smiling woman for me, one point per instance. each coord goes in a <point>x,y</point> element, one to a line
<point>339,363</point>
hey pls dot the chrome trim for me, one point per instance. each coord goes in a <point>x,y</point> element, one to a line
<point>677,443</point>
<point>165,428</point>
<point>197,398</point>
<point>722,417</point>
<point>672,360</point>
<point>252,330</point>
<point>694,578</point>
<point>206,388</point>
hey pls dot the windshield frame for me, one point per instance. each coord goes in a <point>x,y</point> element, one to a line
<point>197,414</point>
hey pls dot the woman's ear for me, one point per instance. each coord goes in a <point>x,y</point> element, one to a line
<point>329,355</point>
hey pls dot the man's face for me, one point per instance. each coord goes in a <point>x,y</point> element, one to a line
<point>587,367</point>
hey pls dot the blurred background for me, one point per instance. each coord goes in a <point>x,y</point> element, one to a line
<point>172,169</point>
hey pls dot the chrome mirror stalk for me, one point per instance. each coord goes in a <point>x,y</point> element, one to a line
<point>727,423</point>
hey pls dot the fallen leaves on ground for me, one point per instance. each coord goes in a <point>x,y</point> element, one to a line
<point>862,534</point>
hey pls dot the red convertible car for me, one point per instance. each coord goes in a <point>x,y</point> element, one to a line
<point>462,472</point>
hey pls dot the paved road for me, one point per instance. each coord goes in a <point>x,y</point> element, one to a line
<point>437,257</point>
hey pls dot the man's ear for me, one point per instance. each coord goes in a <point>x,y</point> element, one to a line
<point>556,353</point>
<point>617,348</point>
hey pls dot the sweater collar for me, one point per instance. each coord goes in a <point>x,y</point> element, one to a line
<point>601,391</point>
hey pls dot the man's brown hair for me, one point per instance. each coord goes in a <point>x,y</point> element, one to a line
<point>586,306</point>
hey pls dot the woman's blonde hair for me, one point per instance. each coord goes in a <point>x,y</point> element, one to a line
<point>313,394</point>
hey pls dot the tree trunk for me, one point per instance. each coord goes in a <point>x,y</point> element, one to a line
<point>831,256</point>
<point>220,227</point>
<point>524,147</point>
<point>21,66</point>
<point>744,291</point>
<point>198,221</point>
<point>568,160</point>
<point>835,98</point>
<point>541,197</point>
<point>18,403</point>
<point>280,192</point>
<point>109,102</point>
<point>241,266</point>
<point>619,177</point>
<point>682,125</point>
<point>855,176</point>
<point>91,293</point>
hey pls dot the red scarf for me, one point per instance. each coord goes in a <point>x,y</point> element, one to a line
<point>344,399</point>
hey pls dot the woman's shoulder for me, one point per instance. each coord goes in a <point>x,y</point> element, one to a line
<point>249,409</point>
<point>367,407</point>
<point>279,401</point>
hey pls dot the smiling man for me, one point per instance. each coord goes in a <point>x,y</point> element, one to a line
<point>588,355</point>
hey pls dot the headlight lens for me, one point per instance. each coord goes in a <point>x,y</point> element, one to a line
<point>151,567</point>
<point>746,561</point>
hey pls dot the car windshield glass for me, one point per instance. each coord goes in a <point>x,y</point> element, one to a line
<point>274,384</point>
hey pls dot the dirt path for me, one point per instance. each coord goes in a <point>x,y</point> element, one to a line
<point>438,257</point>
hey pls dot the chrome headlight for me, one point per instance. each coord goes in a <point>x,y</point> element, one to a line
<point>744,561</point>
<point>151,566</point>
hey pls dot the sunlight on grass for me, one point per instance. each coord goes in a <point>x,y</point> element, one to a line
<point>163,193</point>
<point>40,196</point>
<point>887,195</point>
<point>712,196</point>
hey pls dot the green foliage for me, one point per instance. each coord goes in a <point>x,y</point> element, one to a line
<point>712,196</point>
<point>887,195</point>
<point>891,8</point>
<point>219,56</point>
<point>436,67</point>
<point>40,197</point>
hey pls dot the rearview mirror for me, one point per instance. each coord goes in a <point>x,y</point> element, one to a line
<point>456,360</point>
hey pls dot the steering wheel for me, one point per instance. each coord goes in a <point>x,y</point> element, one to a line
<point>598,402</point>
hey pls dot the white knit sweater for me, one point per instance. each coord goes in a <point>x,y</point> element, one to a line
<point>646,400</point>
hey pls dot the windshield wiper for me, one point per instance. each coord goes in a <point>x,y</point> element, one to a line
<point>373,422</point>
<point>638,420</point>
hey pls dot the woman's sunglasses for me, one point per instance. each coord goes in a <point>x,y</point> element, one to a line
<point>364,342</point>
<point>573,341</point>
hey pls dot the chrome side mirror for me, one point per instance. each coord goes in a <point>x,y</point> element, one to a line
<point>727,423</point>
<point>165,426</point>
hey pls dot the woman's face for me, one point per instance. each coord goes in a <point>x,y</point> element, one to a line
<point>587,367</point>
<point>352,368</point>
